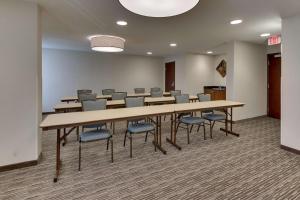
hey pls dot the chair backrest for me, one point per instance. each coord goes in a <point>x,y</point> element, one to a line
<point>155,89</point>
<point>94,105</point>
<point>175,93</point>
<point>87,97</point>
<point>204,97</point>
<point>157,93</point>
<point>134,102</point>
<point>119,95</point>
<point>183,98</point>
<point>83,92</point>
<point>139,90</point>
<point>108,91</point>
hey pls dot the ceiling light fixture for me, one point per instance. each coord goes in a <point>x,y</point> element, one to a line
<point>159,8</point>
<point>265,35</point>
<point>210,52</point>
<point>122,23</point>
<point>235,22</point>
<point>149,53</point>
<point>173,44</point>
<point>106,43</point>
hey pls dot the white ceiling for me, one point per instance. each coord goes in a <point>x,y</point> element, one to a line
<point>67,23</point>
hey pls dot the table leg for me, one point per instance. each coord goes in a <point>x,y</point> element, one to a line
<point>57,155</point>
<point>172,140</point>
<point>231,124</point>
<point>157,141</point>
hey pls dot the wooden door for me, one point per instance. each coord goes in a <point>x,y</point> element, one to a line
<point>274,85</point>
<point>170,76</point>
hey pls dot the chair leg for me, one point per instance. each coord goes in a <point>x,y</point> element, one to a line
<point>79,160</point>
<point>146,137</point>
<point>198,128</point>
<point>188,134</point>
<point>107,144</point>
<point>204,131</point>
<point>177,127</point>
<point>125,138</point>
<point>191,128</point>
<point>130,145</point>
<point>210,125</point>
<point>112,150</point>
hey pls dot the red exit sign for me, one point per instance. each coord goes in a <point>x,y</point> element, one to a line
<point>273,40</point>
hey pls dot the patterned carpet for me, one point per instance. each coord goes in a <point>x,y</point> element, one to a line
<point>250,167</point>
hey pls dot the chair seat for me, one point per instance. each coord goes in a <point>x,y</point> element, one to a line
<point>140,127</point>
<point>207,111</point>
<point>214,117</point>
<point>192,120</point>
<point>94,126</point>
<point>93,135</point>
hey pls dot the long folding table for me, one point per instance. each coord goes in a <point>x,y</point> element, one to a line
<point>73,107</point>
<point>73,98</point>
<point>76,119</point>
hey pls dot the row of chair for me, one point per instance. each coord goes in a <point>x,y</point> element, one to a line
<point>111,91</point>
<point>88,95</point>
<point>100,131</point>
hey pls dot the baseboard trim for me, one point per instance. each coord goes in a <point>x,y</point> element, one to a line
<point>20,165</point>
<point>48,113</point>
<point>295,151</point>
<point>249,119</point>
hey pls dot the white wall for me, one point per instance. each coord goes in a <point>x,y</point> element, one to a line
<point>20,76</point>
<point>290,83</point>
<point>193,72</point>
<point>250,79</point>
<point>66,71</point>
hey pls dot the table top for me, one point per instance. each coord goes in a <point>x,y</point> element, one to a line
<point>207,105</point>
<point>63,106</point>
<point>74,98</point>
<point>65,120</point>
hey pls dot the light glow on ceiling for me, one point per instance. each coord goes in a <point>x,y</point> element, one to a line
<point>159,8</point>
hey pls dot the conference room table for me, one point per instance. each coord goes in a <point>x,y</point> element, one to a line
<point>75,119</point>
<point>76,106</point>
<point>74,98</point>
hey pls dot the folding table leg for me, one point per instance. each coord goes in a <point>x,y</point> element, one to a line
<point>231,124</point>
<point>58,162</point>
<point>172,140</point>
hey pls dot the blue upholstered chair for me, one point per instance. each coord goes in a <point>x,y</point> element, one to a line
<point>175,93</point>
<point>139,90</point>
<point>84,92</point>
<point>119,95</point>
<point>87,97</point>
<point>108,91</point>
<point>137,126</point>
<point>155,89</point>
<point>157,93</point>
<point>210,115</point>
<point>95,134</point>
<point>187,118</point>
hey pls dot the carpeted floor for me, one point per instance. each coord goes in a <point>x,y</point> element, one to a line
<point>250,167</point>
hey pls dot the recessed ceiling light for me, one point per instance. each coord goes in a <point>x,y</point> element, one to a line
<point>159,8</point>
<point>149,53</point>
<point>122,23</point>
<point>235,22</point>
<point>210,52</point>
<point>265,35</point>
<point>173,44</point>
